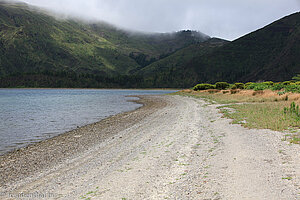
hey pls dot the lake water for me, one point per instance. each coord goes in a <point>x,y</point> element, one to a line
<point>31,115</point>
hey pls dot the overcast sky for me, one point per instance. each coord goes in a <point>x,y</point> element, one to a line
<point>228,19</point>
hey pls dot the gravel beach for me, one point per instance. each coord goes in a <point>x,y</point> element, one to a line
<point>171,148</point>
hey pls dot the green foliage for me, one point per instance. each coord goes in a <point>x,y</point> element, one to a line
<point>35,48</point>
<point>65,79</point>
<point>222,85</point>
<point>142,59</point>
<point>286,86</point>
<point>293,110</point>
<point>233,87</point>
<point>260,86</point>
<point>297,78</point>
<point>250,86</point>
<point>32,42</point>
<point>204,86</point>
<point>170,71</point>
<point>239,85</point>
<point>278,86</point>
<point>292,88</point>
<point>281,93</point>
<point>247,85</point>
<point>249,58</point>
<point>286,83</point>
<point>270,83</point>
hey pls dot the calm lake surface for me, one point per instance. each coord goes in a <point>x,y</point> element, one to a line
<point>31,115</point>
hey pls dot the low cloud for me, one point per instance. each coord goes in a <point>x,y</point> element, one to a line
<point>228,19</point>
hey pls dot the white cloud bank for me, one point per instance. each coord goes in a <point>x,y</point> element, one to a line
<point>228,19</point>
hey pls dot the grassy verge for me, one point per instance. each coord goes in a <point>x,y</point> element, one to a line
<point>261,110</point>
<point>267,115</point>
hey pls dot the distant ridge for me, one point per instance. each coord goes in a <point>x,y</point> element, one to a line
<point>270,53</point>
<point>39,50</point>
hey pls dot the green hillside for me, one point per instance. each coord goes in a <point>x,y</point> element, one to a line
<point>271,53</point>
<point>35,47</point>
<point>172,71</point>
<point>39,50</point>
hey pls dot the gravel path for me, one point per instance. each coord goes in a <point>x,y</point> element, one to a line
<point>173,148</point>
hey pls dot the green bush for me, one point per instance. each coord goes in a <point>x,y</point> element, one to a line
<point>278,86</point>
<point>270,83</point>
<point>247,84</point>
<point>286,82</point>
<point>239,85</point>
<point>297,78</point>
<point>222,85</point>
<point>250,86</point>
<point>260,86</point>
<point>204,86</point>
<point>292,88</point>
<point>287,86</point>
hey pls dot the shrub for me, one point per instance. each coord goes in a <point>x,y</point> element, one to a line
<point>233,87</point>
<point>222,85</point>
<point>203,86</point>
<point>247,84</point>
<point>260,86</point>
<point>297,83</point>
<point>286,82</point>
<point>251,86</point>
<point>278,86</point>
<point>239,85</point>
<point>292,88</point>
<point>296,78</point>
<point>270,83</point>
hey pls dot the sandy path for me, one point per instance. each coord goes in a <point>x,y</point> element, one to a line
<point>184,150</point>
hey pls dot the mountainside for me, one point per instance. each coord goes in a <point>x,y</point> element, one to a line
<point>35,43</point>
<point>39,50</point>
<point>271,53</point>
<point>172,71</point>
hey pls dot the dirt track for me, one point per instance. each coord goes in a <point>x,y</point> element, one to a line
<point>179,149</point>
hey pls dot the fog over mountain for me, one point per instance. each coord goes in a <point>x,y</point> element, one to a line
<point>228,19</point>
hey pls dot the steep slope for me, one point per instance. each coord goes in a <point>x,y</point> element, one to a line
<point>271,53</point>
<point>32,42</point>
<point>171,71</point>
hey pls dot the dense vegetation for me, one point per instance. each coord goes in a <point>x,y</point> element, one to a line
<point>283,87</point>
<point>38,50</point>
<point>271,53</point>
<point>173,71</point>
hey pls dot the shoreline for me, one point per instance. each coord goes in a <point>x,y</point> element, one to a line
<point>91,89</point>
<point>26,161</point>
<point>172,148</point>
<point>138,101</point>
